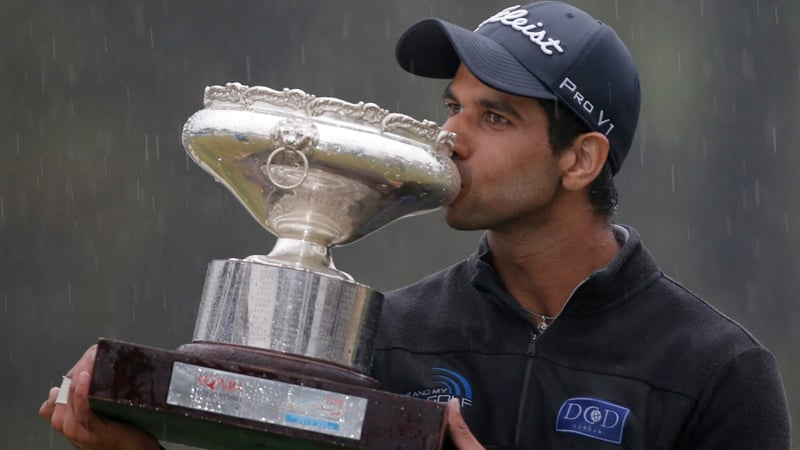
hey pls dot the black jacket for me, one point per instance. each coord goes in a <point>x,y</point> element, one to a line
<point>634,361</point>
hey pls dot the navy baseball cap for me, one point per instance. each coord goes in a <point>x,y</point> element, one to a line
<point>546,50</point>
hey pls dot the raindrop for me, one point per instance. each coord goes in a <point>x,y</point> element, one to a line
<point>247,68</point>
<point>43,76</point>
<point>774,140</point>
<point>757,194</point>
<point>642,147</point>
<point>785,220</point>
<point>146,149</point>
<point>672,175</point>
<point>70,191</point>
<point>345,26</point>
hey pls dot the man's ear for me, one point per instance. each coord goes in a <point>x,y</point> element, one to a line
<point>583,160</point>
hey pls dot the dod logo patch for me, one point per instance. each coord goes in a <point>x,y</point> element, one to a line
<point>593,418</point>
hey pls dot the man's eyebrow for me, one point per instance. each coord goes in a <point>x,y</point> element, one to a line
<point>448,93</point>
<point>499,105</point>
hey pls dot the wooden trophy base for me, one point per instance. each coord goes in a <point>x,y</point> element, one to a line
<point>220,396</point>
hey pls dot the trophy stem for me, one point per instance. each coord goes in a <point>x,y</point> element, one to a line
<point>301,254</point>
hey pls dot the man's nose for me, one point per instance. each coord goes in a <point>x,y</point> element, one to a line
<point>457,126</point>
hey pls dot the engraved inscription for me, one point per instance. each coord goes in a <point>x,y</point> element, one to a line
<point>247,397</point>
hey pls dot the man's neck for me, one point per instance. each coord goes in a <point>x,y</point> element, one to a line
<point>542,266</point>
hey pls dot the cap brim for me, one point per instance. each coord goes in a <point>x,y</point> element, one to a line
<point>434,48</point>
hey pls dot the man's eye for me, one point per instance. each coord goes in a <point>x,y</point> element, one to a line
<point>497,119</point>
<point>452,108</point>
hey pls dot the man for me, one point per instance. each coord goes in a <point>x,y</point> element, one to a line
<point>560,332</point>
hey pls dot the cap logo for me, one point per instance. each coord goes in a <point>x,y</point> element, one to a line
<point>572,92</point>
<point>516,19</point>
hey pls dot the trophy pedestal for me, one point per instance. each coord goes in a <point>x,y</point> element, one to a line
<point>257,400</point>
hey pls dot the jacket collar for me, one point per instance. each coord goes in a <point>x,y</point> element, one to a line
<point>632,269</point>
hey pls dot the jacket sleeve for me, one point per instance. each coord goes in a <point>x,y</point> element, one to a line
<point>743,407</point>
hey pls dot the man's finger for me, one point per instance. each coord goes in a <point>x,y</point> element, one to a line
<point>85,363</point>
<point>460,434</point>
<point>79,400</point>
<point>46,410</point>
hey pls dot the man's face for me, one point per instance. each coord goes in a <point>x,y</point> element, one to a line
<point>509,174</point>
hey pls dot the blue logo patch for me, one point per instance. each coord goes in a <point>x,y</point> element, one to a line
<point>593,418</point>
<point>448,385</point>
<point>455,383</point>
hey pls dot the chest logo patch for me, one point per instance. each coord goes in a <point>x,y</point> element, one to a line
<point>447,384</point>
<point>593,418</point>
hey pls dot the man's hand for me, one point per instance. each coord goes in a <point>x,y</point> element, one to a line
<point>83,428</point>
<point>458,429</point>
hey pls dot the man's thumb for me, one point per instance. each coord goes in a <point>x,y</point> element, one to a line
<point>458,429</point>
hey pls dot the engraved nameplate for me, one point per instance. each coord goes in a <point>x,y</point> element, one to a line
<point>247,397</point>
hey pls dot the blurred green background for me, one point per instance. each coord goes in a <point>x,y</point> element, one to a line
<point>106,227</point>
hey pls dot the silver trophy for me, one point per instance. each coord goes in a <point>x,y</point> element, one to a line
<point>283,342</point>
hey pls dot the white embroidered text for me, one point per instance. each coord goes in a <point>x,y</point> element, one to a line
<point>516,19</point>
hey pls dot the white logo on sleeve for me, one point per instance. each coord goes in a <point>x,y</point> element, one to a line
<point>516,19</point>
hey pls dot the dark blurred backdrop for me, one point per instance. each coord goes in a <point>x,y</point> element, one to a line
<point>106,227</point>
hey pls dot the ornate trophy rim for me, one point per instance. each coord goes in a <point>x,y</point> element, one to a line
<point>364,115</point>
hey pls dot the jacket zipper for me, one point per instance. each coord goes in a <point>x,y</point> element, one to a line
<point>524,395</point>
<point>531,353</point>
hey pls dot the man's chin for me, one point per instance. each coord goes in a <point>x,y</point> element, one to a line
<point>458,222</point>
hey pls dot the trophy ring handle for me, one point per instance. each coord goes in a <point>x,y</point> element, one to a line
<point>276,182</point>
<point>292,135</point>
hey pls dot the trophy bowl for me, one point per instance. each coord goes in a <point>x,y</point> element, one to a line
<point>319,171</point>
